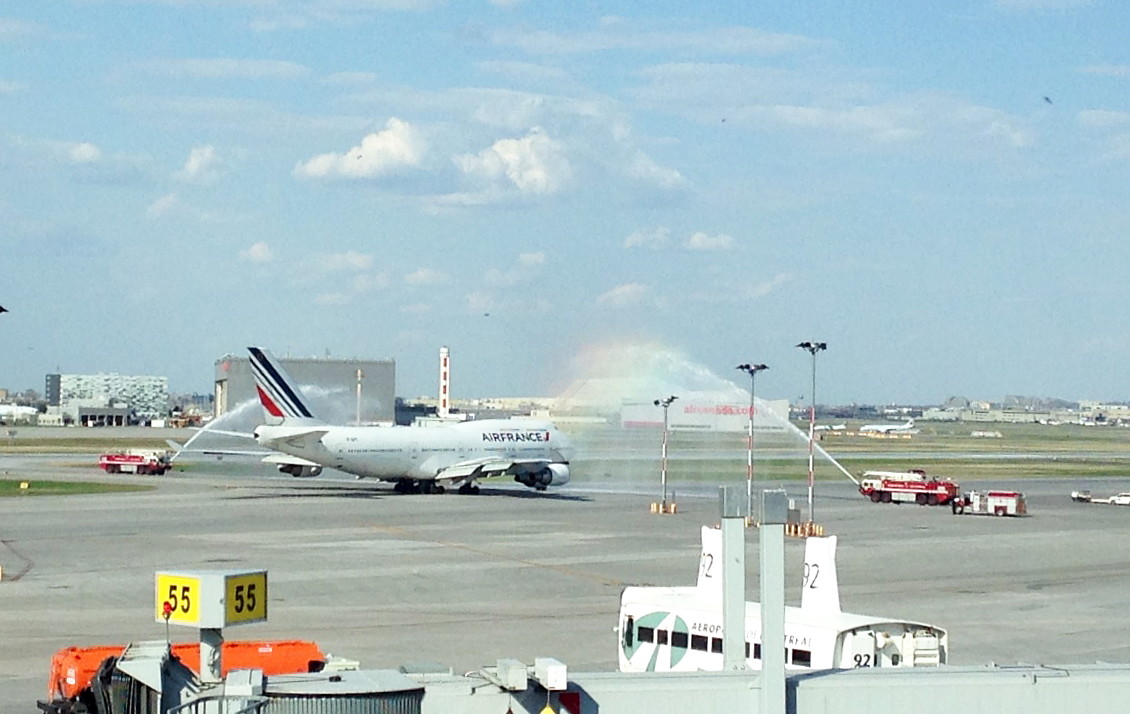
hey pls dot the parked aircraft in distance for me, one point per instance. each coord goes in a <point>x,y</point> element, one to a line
<point>907,428</point>
<point>416,459</point>
<point>679,629</point>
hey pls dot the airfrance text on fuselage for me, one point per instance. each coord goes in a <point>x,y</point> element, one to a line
<point>516,436</point>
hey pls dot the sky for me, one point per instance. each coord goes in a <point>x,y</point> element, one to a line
<point>938,191</point>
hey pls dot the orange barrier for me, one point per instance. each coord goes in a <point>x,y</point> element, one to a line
<point>73,668</point>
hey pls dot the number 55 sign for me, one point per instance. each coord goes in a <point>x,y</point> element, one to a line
<point>212,599</point>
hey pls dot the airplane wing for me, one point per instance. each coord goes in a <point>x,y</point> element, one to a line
<point>286,460</point>
<point>178,449</point>
<point>482,468</point>
<point>301,439</point>
<point>240,434</point>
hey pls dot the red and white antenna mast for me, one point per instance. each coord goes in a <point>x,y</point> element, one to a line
<point>444,410</point>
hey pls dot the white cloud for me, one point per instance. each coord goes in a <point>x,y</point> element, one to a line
<point>644,168</point>
<point>162,205</point>
<point>523,71</point>
<point>480,301</point>
<point>704,241</point>
<point>1110,70</point>
<point>11,29</point>
<point>1042,4</point>
<point>258,253</point>
<point>202,166</point>
<point>331,299</point>
<point>1103,118</point>
<point>425,276</point>
<point>366,282</point>
<point>225,68</point>
<point>84,153</point>
<point>623,295</point>
<point>350,78</point>
<point>398,145</point>
<point>300,14</point>
<point>417,308</point>
<point>534,164</point>
<point>524,270</point>
<point>616,34</point>
<point>764,288</point>
<point>654,240</point>
<point>349,260</point>
<point>10,87</point>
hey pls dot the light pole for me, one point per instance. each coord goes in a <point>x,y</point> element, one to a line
<point>751,370</point>
<point>665,403</point>
<point>360,376</point>
<point>812,348</point>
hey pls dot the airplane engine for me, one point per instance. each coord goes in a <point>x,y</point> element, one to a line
<point>300,471</point>
<point>560,474</point>
<point>551,475</point>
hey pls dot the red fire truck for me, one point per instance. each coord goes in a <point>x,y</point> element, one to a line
<point>136,461</point>
<point>912,486</point>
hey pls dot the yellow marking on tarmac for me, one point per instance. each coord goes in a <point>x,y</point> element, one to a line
<point>560,569</point>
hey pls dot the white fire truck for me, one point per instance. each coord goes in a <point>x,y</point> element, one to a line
<point>997,503</point>
<point>136,461</point>
<point>912,486</point>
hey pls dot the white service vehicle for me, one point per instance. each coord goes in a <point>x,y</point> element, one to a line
<point>679,629</point>
<point>1121,499</point>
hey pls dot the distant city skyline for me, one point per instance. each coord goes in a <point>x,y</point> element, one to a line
<point>935,190</point>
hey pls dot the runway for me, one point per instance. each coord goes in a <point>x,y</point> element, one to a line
<point>464,580</point>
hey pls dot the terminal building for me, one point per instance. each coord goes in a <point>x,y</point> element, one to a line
<point>341,391</point>
<point>107,399</point>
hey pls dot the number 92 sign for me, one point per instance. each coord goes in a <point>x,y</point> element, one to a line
<point>212,599</point>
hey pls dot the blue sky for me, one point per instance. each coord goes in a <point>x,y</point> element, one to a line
<point>939,191</point>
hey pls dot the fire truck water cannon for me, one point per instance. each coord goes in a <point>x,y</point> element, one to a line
<point>913,486</point>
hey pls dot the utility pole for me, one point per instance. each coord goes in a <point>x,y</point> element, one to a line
<point>751,370</point>
<point>666,404</point>
<point>812,348</point>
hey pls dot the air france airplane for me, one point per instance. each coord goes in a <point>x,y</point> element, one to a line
<point>907,428</point>
<point>418,460</point>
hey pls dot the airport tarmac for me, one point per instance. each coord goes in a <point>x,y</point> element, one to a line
<point>388,579</point>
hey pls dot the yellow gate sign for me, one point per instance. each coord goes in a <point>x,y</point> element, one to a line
<point>178,599</point>
<point>246,598</point>
<point>212,599</point>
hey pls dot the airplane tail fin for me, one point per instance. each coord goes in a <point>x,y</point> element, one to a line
<point>282,403</point>
<point>821,588</point>
<point>710,562</point>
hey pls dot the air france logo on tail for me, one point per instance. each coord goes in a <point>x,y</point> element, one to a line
<point>278,397</point>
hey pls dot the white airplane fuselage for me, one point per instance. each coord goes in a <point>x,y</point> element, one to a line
<point>401,452</point>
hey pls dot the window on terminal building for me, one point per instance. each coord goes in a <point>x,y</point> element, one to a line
<point>647,634</point>
<point>699,642</point>
<point>679,639</point>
